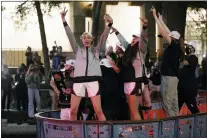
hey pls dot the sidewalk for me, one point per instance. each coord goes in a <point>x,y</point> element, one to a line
<point>15,125</point>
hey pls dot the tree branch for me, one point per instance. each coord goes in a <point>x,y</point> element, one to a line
<point>193,19</point>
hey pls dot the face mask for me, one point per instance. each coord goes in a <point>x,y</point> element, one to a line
<point>188,50</point>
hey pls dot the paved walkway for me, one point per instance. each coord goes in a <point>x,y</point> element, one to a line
<point>15,125</point>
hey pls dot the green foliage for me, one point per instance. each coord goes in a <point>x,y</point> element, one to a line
<point>199,24</point>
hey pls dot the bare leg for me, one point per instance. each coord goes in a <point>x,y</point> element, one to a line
<point>54,100</point>
<point>133,102</point>
<point>75,102</point>
<point>96,101</point>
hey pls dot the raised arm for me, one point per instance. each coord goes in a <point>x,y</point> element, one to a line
<point>104,36</point>
<point>166,29</point>
<point>69,33</point>
<point>160,26</point>
<point>143,37</point>
<point>121,39</point>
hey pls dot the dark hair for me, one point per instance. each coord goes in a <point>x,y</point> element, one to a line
<point>120,49</point>
<point>130,54</point>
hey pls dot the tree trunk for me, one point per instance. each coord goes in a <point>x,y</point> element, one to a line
<point>95,19</point>
<point>44,41</point>
<point>206,37</point>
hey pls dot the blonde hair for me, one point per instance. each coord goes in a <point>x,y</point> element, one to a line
<point>86,34</point>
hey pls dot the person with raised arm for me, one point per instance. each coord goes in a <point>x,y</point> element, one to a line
<point>134,71</point>
<point>169,67</point>
<point>87,72</point>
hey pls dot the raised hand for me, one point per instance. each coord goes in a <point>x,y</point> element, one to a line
<point>153,10</point>
<point>108,18</point>
<point>144,21</point>
<point>160,16</point>
<point>63,13</point>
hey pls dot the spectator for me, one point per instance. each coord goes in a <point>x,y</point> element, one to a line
<point>7,82</point>
<point>52,52</point>
<point>204,75</point>
<point>21,88</point>
<point>28,55</point>
<point>56,61</point>
<point>62,57</point>
<point>33,83</point>
<point>187,86</point>
<point>36,59</point>
<point>64,94</point>
<point>53,94</point>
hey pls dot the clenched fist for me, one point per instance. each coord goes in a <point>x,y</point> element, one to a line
<point>108,18</point>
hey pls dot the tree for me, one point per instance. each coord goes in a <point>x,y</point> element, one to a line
<point>176,19</point>
<point>95,18</point>
<point>24,9</point>
<point>198,27</point>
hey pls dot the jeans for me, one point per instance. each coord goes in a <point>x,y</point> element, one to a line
<point>169,95</point>
<point>6,93</point>
<point>33,93</point>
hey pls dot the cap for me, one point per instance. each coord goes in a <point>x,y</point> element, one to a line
<point>137,35</point>
<point>70,62</point>
<point>192,43</point>
<point>120,46</point>
<point>105,62</point>
<point>174,34</point>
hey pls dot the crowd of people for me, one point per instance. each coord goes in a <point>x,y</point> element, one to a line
<point>118,83</point>
<point>105,85</point>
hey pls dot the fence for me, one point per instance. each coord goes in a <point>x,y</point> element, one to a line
<point>187,126</point>
<point>190,126</point>
<point>14,57</point>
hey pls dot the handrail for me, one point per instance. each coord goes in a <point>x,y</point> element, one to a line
<point>171,126</point>
<point>38,115</point>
